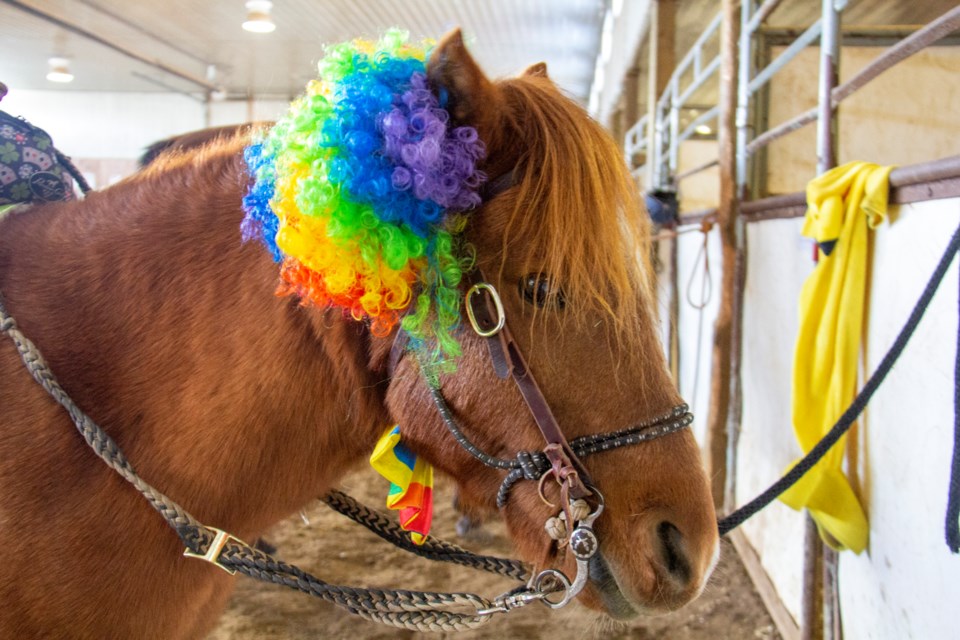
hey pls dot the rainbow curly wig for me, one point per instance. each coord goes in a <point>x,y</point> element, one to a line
<point>359,192</point>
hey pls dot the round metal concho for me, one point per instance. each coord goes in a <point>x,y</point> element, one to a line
<point>583,543</point>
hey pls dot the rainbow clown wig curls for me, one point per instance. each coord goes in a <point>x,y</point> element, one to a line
<point>359,192</point>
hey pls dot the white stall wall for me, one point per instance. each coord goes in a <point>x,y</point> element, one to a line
<point>906,584</point>
<point>695,328</point>
<point>778,261</point>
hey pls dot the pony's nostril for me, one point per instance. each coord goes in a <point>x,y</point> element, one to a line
<point>672,550</point>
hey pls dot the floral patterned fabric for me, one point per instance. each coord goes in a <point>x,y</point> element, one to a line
<point>29,169</point>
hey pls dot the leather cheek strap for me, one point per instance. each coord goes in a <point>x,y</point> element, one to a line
<point>508,360</point>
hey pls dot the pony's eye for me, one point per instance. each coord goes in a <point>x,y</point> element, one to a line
<point>535,288</point>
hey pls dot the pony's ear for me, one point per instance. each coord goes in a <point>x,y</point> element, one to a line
<point>469,95</point>
<point>537,70</point>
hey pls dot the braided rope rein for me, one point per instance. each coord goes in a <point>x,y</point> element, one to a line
<point>413,610</point>
<point>431,549</point>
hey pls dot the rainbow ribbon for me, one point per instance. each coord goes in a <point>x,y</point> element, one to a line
<point>411,483</point>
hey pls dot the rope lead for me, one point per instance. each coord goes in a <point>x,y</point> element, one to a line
<point>738,517</point>
<point>952,525</point>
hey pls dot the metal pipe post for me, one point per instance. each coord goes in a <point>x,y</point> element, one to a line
<point>820,610</point>
<point>829,74</point>
<point>743,96</point>
<point>724,329</point>
<point>673,158</point>
<point>653,37</point>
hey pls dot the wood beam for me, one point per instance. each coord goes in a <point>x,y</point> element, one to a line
<point>727,212</point>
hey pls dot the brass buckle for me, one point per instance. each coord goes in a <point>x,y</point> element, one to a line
<point>501,316</point>
<point>212,555</point>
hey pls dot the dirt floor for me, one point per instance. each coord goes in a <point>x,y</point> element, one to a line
<point>338,551</point>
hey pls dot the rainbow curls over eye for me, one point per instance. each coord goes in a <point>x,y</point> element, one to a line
<point>359,190</point>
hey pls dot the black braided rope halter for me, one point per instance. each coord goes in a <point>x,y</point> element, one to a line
<point>532,465</point>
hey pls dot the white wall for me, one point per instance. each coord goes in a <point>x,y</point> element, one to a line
<point>906,584</point>
<point>696,327</point>
<point>105,133</point>
<point>240,111</point>
<point>778,261</point>
<point>106,125</point>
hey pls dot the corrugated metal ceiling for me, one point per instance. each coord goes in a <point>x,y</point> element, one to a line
<point>504,35</point>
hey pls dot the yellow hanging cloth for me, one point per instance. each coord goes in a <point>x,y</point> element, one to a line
<point>841,204</point>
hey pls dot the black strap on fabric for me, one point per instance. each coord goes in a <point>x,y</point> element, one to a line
<point>739,516</point>
<point>71,168</point>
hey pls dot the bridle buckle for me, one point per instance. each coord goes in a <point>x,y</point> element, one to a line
<point>501,319</point>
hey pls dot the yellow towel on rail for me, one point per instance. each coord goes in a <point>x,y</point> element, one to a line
<point>841,204</point>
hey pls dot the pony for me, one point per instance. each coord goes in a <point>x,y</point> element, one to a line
<point>243,405</point>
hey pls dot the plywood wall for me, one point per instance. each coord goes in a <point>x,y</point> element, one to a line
<point>907,115</point>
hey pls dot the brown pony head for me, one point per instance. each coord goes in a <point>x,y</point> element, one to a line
<point>565,246</point>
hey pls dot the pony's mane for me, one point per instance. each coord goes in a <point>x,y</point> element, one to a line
<point>176,162</point>
<point>576,210</point>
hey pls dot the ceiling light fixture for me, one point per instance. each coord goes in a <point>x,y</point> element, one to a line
<point>59,70</point>
<point>258,16</point>
<point>703,129</point>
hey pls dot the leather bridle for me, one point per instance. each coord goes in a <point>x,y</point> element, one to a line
<point>559,459</point>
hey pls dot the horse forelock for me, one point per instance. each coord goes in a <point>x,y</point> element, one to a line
<point>575,214</point>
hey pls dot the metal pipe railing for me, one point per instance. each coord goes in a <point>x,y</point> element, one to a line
<point>663,120</point>
<point>705,117</point>
<point>829,75</point>
<point>762,13</point>
<point>802,42</point>
<point>697,47</point>
<point>659,139</point>
<point>680,177</point>
<point>635,139</point>
<point>940,28</point>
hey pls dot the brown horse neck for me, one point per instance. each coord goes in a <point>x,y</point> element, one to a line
<point>165,328</point>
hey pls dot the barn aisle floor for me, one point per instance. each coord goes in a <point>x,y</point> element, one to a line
<point>338,551</point>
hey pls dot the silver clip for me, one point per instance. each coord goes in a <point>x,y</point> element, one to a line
<point>511,600</point>
<point>552,582</point>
